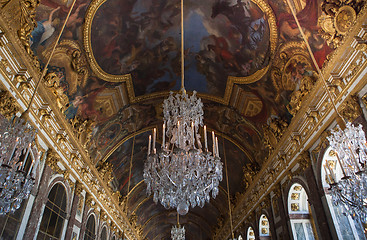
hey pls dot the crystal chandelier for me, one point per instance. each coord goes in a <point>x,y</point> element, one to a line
<point>16,174</point>
<point>16,137</point>
<point>349,143</point>
<point>182,173</point>
<point>351,190</point>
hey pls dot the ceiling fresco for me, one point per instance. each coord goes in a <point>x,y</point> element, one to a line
<point>220,41</point>
<point>117,60</point>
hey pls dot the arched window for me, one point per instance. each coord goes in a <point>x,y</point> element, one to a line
<point>264,227</point>
<point>90,229</point>
<point>240,237</point>
<point>54,214</point>
<point>104,234</point>
<point>345,226</point>
<point>10,222</point>
<point>250,233</point>
<point>299,215</point>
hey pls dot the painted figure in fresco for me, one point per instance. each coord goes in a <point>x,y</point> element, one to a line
<point>43,31</point>
<point>308,18</point>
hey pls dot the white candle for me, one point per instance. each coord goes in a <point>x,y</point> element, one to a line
<point>216,145</point>
<point>331,171</point>
<point>213,137</point>
<point>192,133</point>
<point>34,169</point>
<point>150,140</point>
<point>164,136</point>
<point>154,138</point>
<point>205,139</point>
<point>178,133</point>
<point>327,175</point>
<point>30,168</point>
<point>341,165</point>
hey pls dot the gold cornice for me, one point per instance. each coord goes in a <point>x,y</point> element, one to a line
<point>87,29</point>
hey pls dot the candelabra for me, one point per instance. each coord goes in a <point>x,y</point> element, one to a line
<point>350,191</point>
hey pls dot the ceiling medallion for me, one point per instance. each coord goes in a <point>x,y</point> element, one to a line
<point>182,173</point>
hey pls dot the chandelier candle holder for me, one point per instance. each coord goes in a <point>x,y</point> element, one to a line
<point>350,191</point>
<point>16,174</point>
<point>181,173</point>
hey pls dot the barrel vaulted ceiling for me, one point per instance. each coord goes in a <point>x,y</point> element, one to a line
<point>118,59</point>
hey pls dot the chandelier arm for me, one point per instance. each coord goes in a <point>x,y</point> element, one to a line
<point>340,119</point>
<point>229,201</point>
<point>49,59</point>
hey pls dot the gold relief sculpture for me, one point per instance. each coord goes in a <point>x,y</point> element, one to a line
<point>304,161</point>
<point>273,131</point>
<point>24,83</point>
<point>299,94</point>
<point>8,105</point>
<point>295,207</point>
<point>297,188</point>
<point>52,159</point>
<point>44,114</point>
<point>351,108</point>
<point>89,201</point>
<point>292,71</point>
<point>105,170</point>
<point>295,196</point>
<point>249,172</point>
<point>83,129</point>
<point>27,25</point>
<point>52,81</point>
<point>337,18</point>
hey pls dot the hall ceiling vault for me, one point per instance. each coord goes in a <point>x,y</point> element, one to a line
<point>119,59</point>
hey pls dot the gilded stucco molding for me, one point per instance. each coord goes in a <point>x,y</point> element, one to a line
<point>304,131</point>
<point>8,105</point>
